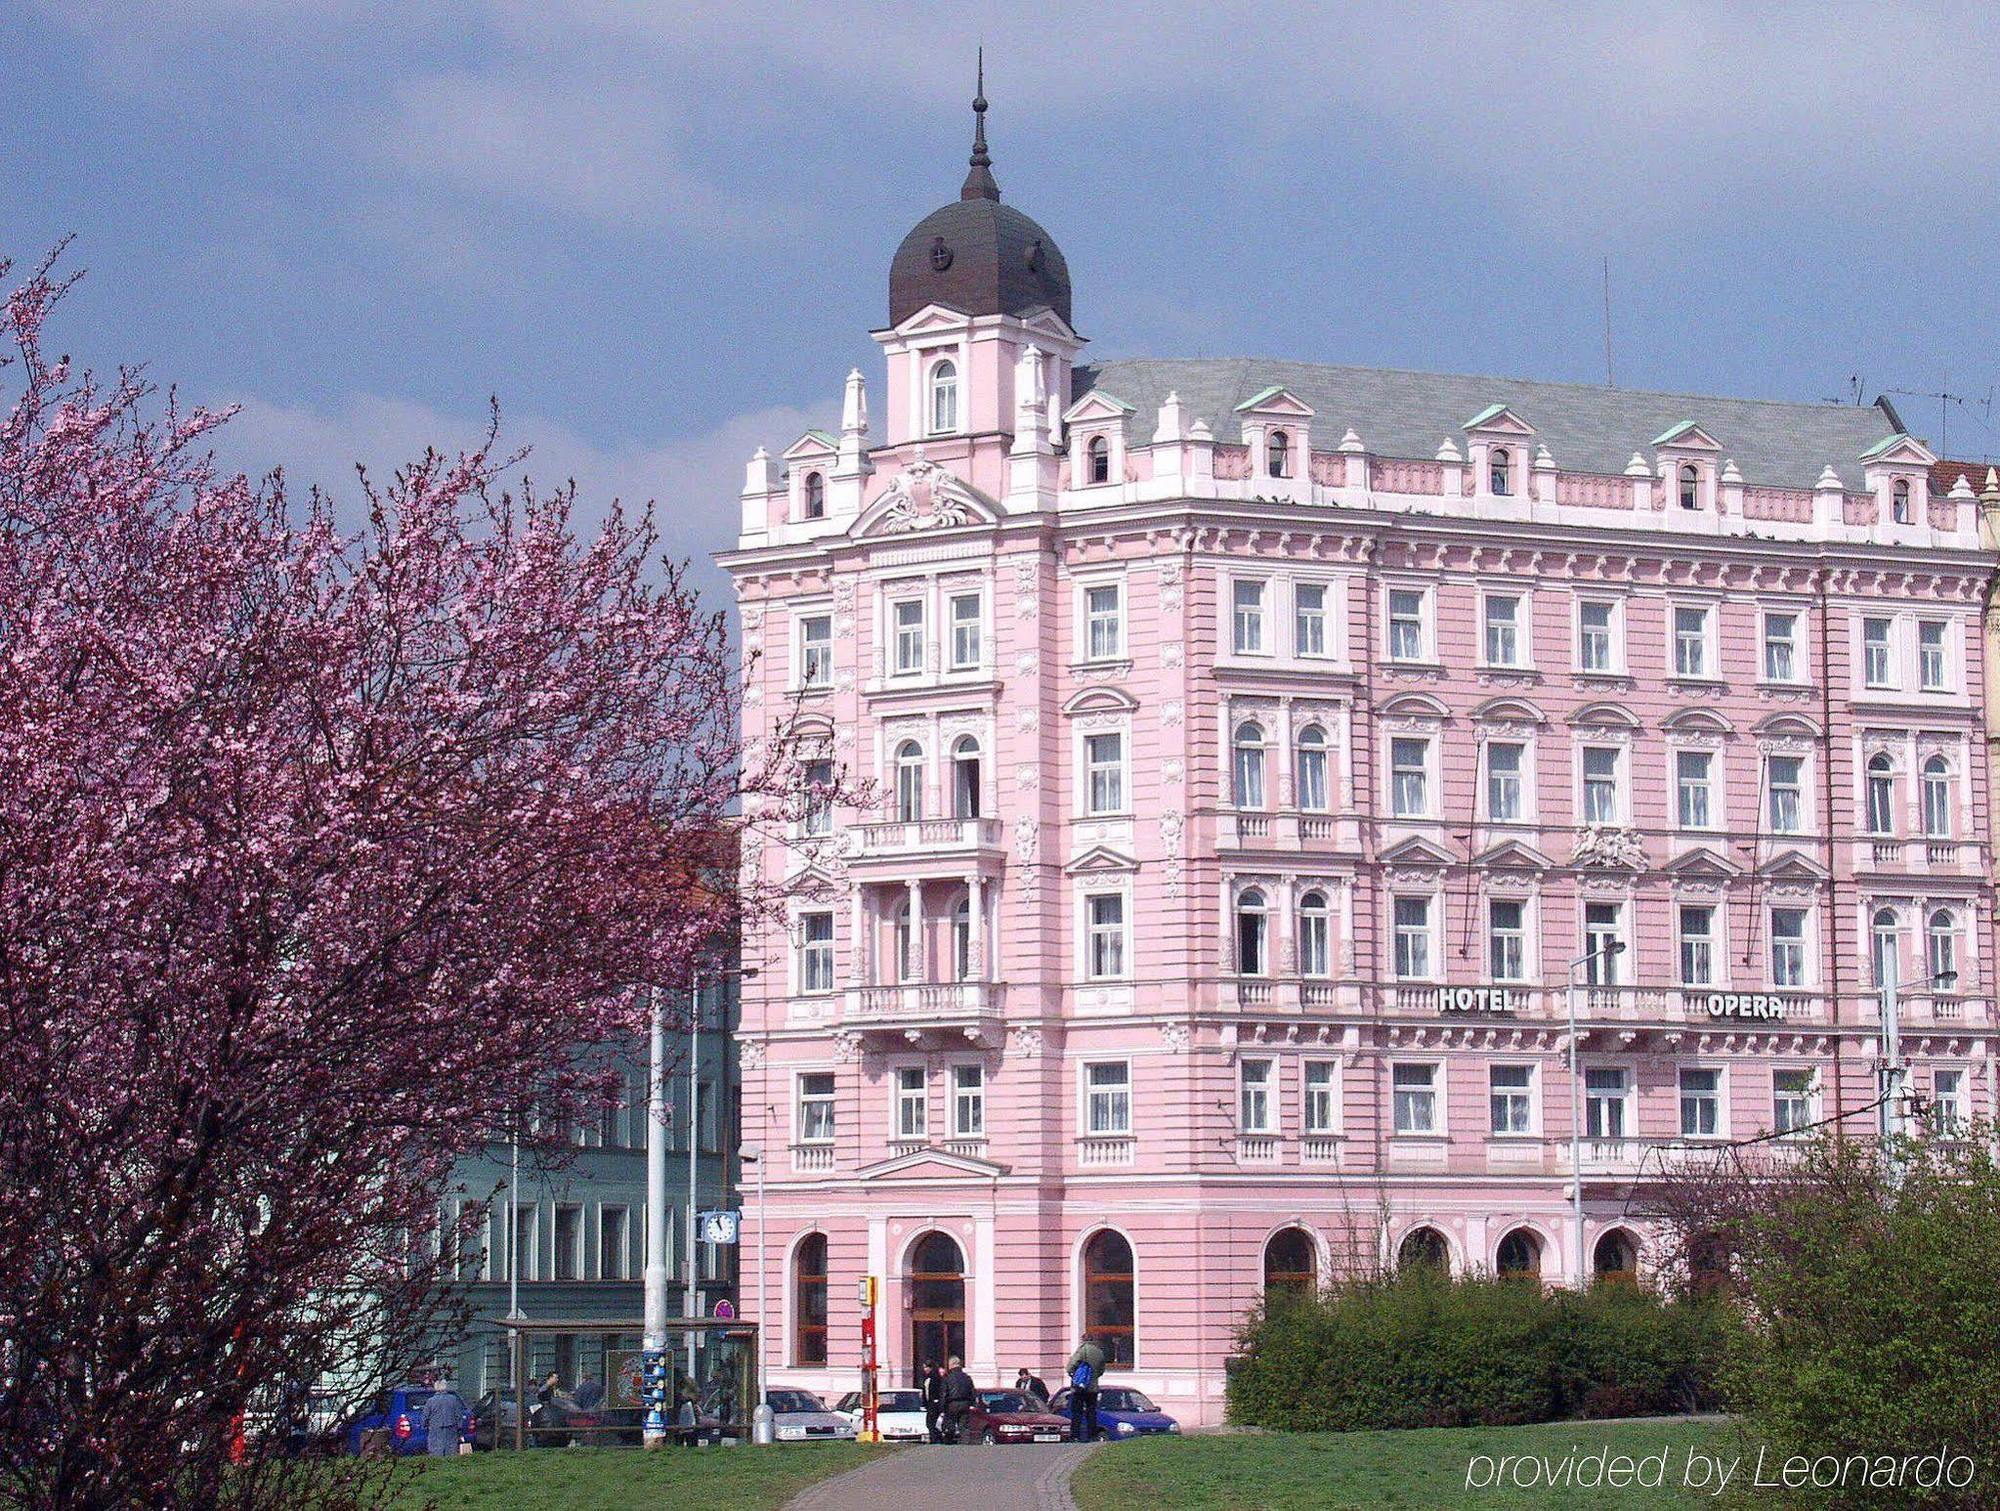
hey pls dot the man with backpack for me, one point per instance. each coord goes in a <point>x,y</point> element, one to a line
<point>1086,1377</point>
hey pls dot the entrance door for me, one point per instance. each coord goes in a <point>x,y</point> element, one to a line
<point>937,1303</point>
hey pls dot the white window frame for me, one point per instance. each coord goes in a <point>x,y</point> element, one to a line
<point>909,1108</point>
<point>1621,787</point>
<point>1627,1117</point>
<point>1711,668</point>
<point>1523,778</point>
<point>1088,932</point>
<point>1521,628</point>
<point>1265,1090</point>
<point>1531,1094</point>
<point>1710,790</point>
<point>1614,632</point>
<point>898,633</point>
<point>1426,597</point>
<point>1243,616</point>
<point>1310,1095</point>
<point>1718,1097</point>
<point>1803,788</point>
<point>814,655</point>
<point>936,421</point>
<point>968,1098</point>
<point>1808,954</point>
<point>957,627</point>
<point>1090,619</point>
<point>1945,681</point>
<point>1937,807</point>
<point>1322,800</point>
<point>1714,942</point>
<point>1951,1121</point>
<point>1426,771</point>
<point>1117,1097</point>
<point>1866,645</point>
<point>801,1103</point>
<point>808,949</point>
<point>1794,643</point>
<point>1325,615</point>
<point>1116,772</point>
<point>1428,934</point>
<point>1525,970</point>
<point>1321,916</point>
<point>1810,1100</point>
<point>1439,1122</point>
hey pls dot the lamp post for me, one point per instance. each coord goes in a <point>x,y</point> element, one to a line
<point>655,1434</point>
<point>1610,949</point>
<point>755,1156</point>
<point>1892,1059</point>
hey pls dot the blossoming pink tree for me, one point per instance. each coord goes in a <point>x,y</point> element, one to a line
<point>319,858</point>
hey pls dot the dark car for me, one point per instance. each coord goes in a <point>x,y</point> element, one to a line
<point>1121,1412</point>
<point>395,1421</point>
<point>1010,1416</point>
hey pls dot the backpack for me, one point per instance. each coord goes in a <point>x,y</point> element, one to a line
<point>1082,1376</point>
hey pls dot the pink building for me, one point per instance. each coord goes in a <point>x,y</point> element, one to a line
<point>1257,745</point>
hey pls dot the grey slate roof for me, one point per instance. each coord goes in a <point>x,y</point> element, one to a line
<point>1775,443</point>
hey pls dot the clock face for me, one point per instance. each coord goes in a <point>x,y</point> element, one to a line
<point>719,1227</point>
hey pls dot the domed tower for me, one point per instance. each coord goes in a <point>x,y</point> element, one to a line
<point>975,288</point>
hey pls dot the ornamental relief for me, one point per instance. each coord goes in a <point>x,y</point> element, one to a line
<point>1174,1038</point>
<point>1413,876</point>
<point>1173,655</point>
<point>1028,665</point>
<point>1027,1042</point>
<point>1171,712</point>
<point>1173,771</point>
<point>1784,745</point>
<point>1172,826</point>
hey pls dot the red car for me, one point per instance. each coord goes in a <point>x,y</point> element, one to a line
<point>1008,1416</point>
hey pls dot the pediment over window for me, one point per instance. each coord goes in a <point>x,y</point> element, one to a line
<point>1416,705</point>
<point>1703,860</point>
<point>814,445</point>
<point>1688,436</point>
<point>1698,721</point>
<point>931,318</point>
<point>1509,711</point>
<point>1793,865</point>
<point>1097,700</point>
<point>923,496</point>
<point>1795,726</point>
<point>1900,451</point>
<point>932,1164</point>
<point>1499,419</point>
<point>1516,854</point>
<point>1417,851</point>
<point>1605,715</point>
<point>1097,405</point>
<point>1276,400</point>
<point>817,884</point>
<point>1101,860</point>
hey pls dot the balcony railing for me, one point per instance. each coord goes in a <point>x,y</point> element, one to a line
<point>812,1159</point>
<point>929,835</point>
<point>1256,1149</point>
<point>1099,1151</point>
<point>926,999</point>
<point>1320,1149</point>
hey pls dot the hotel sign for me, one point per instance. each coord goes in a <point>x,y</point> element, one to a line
<point>1479,999</point>
<point>1765,1005</point>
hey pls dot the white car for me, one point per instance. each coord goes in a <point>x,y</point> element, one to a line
<point>899,1414</point>
<point>799,1416</point>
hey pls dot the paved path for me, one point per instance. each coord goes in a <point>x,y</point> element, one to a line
<point>1012,1477</point>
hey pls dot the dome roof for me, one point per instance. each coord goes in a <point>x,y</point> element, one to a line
<point>976,255</point>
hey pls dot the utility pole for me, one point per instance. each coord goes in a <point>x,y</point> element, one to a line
<point>655,1433</point>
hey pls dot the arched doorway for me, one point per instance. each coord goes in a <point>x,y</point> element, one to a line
<point>1423,1248</point>
<point>1519,1256</point>
<point>1616,1258</point>
<point>1110,1286</point>
<point>1291,1267</point>
<point>809,1300</point>
<point>937,1302</point>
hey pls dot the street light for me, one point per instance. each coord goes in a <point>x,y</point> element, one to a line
<point>1892,1059</point>
<point>1610,948</point>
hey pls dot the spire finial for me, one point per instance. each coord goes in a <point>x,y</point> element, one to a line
<point>979,183</point>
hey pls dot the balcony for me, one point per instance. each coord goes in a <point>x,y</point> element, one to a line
<point>970,1009</point>
<point>1100,1151</point>
<point>927,837</point>
<point>1256,1149</point>
<point>1937,1009</point>
<point>1320,1149</point>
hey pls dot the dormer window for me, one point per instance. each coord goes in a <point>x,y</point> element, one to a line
<point>944,398</point>
<point>1099,454</point>
<point>1499,470</point>
<point>815,495</point>
<point>1899,501</point>
<point>1278,454</point>
<point>1690,486</point>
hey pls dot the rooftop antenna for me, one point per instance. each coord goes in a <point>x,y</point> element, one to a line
<point>1609,381</point>
<point>1946,401</point>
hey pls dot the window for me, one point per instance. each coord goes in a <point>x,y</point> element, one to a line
<point>1409,778</point>
<point>1107,1097</point>
<point>1104,769</point>
<point>904,942</point>
<point>1594,648</point>
<point>525,1253</point>
<point>1104,618</point>
<point>909,782</point>
<point>1503,782</point>
<point>1311,773</point>
<point>1104,946</point>
<point>965,617</point>
<point>965,777</point>
<point>1249,785</point>
<point>1791,1101</point>
<point>1691,787</point>
<point>1255,1112</point>
<point>1278,454</point>
<point>1099,454</point>
<point>1510,1098</point>
<point>1937,798</point>
<point>1603,941</point>
<point>961,938</point>
<point>1690,486</point>
<point>1110,1309</point>
<point>1886,934</point>
<point>1690,642</point>
<point>909,615</point>
<point>944,399</point>
<point>816,1107</point>
<point>1785,778</point>
<point>1701,1102</point>
<point>1407,638</point>
<point>1951,1112</point>
<point>1899,501</point>
<point>1252,928</point>
<point>968,1101</point>
<point>816,818</point>
<point>569,1241</point>
<point>1248,598</point>
<point>1291,1266</point>
<point>816,952</point>
<point>1498,472</point>
<point>1606,1089</point>
<point>1600,785</point>
<point>912,1102</point>
<point>1781,640</point>
<point>1941,949</point>
<point>1931,669</point>
<point>815,496</point>
<point>1315,935</point>
<point>1697,946</point>
<point>1788,946</point>
<point>1423,1248</point>
<point>1413,938</point>
<point>1322,1096</point>
<point>1414,1093</point>
<point>1875,652</point>
<point>1507,938</point>
<point>613,1224</point>
<point>809,1301</point>
<point>1503,630</point>
<point>1881,795</point>
<point>816,650</point>
<point>1309,619</point>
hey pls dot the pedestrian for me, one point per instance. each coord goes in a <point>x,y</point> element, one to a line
<point>1086,1377</point>
<point>444,1419</point>
<point>933,1384</point>
<point>958,1397</point>
<point>1030,1384</point>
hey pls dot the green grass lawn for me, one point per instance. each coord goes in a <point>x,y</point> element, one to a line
<point>612,1479</point>
<point>1333,1471</point>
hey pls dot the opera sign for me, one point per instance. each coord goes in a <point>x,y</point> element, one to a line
<point>1478,999</point>
<point>1738,1005</point>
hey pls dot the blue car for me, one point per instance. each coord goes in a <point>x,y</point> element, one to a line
<point>1121,1412</point>
<point>399,1414</point>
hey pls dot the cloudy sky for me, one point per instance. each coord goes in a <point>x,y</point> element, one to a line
<point>659,233</point>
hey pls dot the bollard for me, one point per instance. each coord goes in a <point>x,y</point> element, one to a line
<point>762,1424</point>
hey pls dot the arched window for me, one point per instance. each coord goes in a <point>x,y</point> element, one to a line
<point>1423,1248</point>
<point>809,1300</point>
<point>1941,949</point>
<point>1937,798</point>
<point>1899,501</point>
<point>1252,926</point>
<point>909,782</point>
<point>944,399</point>
<point>1099,452</point>
<point>1291,1266</point>
<point>1315,935</point>
<point>1690,486</point>
<point>1500,471</point>
<point>1278,454</point>
<point>1881,796</point>
<point>965,777</point>
<point>905,944</point>
<point>1109,1297</point>
<point>1519,1254</point>
<point>961,939</point>
<point>1887,953</point>
<point>1249,764</point>
<point>1311,775</point>
<point>815,496</point>
<point>1616,1258</point>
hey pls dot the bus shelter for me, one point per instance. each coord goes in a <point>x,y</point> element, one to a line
<point>712,1363</point>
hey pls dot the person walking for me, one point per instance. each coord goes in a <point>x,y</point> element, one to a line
<point>958,1398</point>
<point>1086,1378</point>
<point>1030,1384</point>
<point>444,1420</point>
<point>933,1384</point>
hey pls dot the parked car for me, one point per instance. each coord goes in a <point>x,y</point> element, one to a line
<point>1011,1416</point>
<point>395,1422</point>
<point>1121,1412</point>
<point>799,1416</point>
<point>899,1414</point>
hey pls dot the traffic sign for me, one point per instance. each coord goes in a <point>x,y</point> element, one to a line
<point>725,1309</point>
